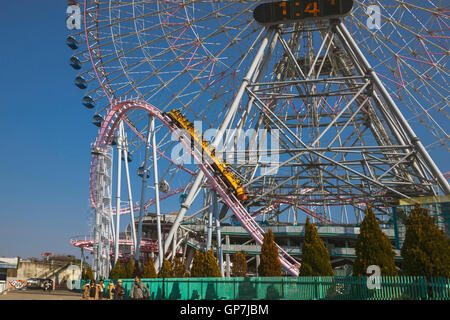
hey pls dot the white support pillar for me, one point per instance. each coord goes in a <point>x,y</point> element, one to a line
<point>119,175</point>
<point>156,184</point>
<point>189,259</point>
<point>258,258</point>
<point>210,222</point>
<point>143,189</point>
<point>218,233</point>
<point>81,263</point>
<point>174,246</point>
<point>130,198</point>
<point>227,257</point>
<point>111,218</point>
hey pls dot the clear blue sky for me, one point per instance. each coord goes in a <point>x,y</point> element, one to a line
<point>45,133</point>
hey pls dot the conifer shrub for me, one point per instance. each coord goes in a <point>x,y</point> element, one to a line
<point>315,257</point>
<point>270,265</point>
<point>373,247</point>
<point>426,250</point>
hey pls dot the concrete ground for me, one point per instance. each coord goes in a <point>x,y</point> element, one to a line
<point>37,294</point>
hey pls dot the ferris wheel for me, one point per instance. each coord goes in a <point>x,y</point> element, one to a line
<point>355,106</point>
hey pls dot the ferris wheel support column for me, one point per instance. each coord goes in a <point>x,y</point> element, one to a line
<point>224,125</point>
<point>345,34</point>
<point>119,173</point>
<point>144,187</point>
<point>257,77</point>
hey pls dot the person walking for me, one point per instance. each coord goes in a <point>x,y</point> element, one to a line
<point>90,291</point>
<point>85,290</point>
<point>101,289</point>
<point>111,287</point>
<point>44,285</point>
<point>119,291</point>
<point>47,286</point>
<point>137,290</point>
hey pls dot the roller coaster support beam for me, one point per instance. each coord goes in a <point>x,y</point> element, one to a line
<point>119,174</point>
<point>347,37</point>
<point>210,224</point>
<point>225,123</point>
<point>215,211</point>
<point>156,180</point>
<point>81,263</point>
<point>144,187</point>
<point>130,197</point>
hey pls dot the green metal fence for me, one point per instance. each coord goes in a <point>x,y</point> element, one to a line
<point>291,288</point>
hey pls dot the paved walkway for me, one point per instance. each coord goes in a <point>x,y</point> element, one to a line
<point>37,294</point>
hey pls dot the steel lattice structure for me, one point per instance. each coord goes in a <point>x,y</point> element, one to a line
<point>347,102</point>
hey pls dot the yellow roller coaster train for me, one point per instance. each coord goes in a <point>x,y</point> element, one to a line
<point>220,168</point>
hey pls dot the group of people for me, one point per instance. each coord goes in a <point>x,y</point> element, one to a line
<point>96,291</point>
<point>47,285</point>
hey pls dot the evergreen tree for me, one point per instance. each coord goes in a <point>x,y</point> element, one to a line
<point>166,270</point>
<point>239,268</point>
<point>123,272</point>
<point>89,274</point>
<point>179,268</point>
<point>83,274</point>
<point>373,247</point>
<point>315,257</point>
<point>211,268</point>
<point>137,269</point>
<point>114,272</point>
<point>129,269</point>
<point>149,269</point>
<point>270,265</point>
<point>425,251</point>
<point>198,269</point>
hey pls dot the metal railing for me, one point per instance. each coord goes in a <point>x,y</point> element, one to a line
<point>294,288</point>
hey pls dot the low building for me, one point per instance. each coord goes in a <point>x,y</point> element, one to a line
<point>16,271</point>
<point>8,267</point>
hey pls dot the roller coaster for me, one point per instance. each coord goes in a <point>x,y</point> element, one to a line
<point>219,182</point>
<point>221,169</point>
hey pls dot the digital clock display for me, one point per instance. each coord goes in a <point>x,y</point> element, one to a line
<point>292,11</point>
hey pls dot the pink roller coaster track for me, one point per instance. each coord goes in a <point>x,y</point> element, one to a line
<point>87,243</point>
<point>118,111</point>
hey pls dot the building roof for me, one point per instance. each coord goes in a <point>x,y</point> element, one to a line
<point>9,263</point>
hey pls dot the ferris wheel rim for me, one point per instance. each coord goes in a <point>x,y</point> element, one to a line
<point>362,4</point>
